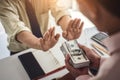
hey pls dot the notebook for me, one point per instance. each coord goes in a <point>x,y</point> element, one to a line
<point>39,64</point>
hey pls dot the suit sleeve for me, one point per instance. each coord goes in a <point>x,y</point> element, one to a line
<point>89,77</point>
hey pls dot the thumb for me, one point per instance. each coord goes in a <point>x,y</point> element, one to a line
<point>57,36</point>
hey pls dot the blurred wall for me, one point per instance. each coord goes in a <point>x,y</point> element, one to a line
<point>71,4</point>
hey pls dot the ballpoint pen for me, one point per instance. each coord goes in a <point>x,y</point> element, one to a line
<point>99,48</point>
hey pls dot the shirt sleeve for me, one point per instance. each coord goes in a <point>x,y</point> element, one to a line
<point>10,19</point>
<point>84,77</point>
<point>58,10</point>
<point>103,58</point>
<point>88,77</point>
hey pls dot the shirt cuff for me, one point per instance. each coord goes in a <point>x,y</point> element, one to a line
<point>61,14</point>
<point>83,77</point>
<point>103,58</point>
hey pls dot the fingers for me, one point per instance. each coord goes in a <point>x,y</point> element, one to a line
<point>76,23</point>
<point>46,37</point>
<point>80,27</point>
<point>64,34</point>
<point>41,43</point>
<point>91,54</point>
<point>52,35</point>
<point>49,39</point>
<point>70,25</point>
<point>86,49</point>
<point>73,30</point>
<point>57,37</point>
<point>49,34</point>
<point>73,24</point>
<point>52,32</point>
<point>67,59</point>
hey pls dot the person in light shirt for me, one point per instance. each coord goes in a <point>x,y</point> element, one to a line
<point>15,20</point>
<point>105,14</point>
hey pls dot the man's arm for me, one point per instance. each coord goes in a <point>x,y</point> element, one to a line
<point>45,43</point>
<point>64,21</point>
<point>71,28</point>
<point>19,33</point>
<point>27,38</point>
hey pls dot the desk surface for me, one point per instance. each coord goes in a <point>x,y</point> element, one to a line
<point>12,69</point>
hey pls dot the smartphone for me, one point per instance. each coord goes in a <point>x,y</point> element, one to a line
<point>99,37</point>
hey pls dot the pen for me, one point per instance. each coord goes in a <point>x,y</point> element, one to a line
<point>97,49</point>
